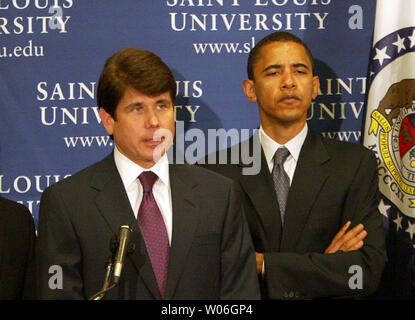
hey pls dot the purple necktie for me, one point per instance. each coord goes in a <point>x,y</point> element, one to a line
<point>154,231</point>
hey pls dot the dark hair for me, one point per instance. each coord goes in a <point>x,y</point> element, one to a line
<point>139,69</point>
<point>274,37</point>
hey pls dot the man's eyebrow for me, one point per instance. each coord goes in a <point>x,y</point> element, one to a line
<point>301,65</point>
<point>140,103</point>
<point>134,104</point>
<point>272,66</point>
<point>279,66</point>
<point>162,100</point>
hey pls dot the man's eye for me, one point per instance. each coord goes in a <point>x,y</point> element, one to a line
<point>272,73</point>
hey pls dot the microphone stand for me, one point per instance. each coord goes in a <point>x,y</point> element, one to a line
<point>106,286</point>
<point>119,248</point>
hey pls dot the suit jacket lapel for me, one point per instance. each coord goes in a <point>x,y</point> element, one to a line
<point>185,219</point>
<point>113,204</point>
<point>260,189</point>
<point>301,197</point>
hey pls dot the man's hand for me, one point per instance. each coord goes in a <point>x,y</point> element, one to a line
<point>259,262</point>
<point>347,241</point>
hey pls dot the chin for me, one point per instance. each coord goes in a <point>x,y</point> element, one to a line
<point>290,119</point>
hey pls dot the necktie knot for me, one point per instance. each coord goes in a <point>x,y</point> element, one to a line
<point>281,155</point>
<point>147,179</point>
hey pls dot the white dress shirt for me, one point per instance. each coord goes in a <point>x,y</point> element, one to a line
<point>294,146</point>
<point>129,172</point>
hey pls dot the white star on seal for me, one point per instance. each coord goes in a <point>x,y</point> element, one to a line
<point>381,55</point>
<point>398,222</point>
<point>411,229</point>
<point>412,38</point>
<point>399,43</point>
<point>383,208</point>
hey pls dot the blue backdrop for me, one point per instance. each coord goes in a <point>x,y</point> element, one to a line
<point>52,52</point>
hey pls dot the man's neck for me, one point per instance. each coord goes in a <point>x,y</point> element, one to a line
<point>282,133</point>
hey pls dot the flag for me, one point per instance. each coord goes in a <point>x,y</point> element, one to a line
<point>390,133</point>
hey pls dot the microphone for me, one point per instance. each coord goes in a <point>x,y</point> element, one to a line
<point>115,263</point>
<point>123,239</point>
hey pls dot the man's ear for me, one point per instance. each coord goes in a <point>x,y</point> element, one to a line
<point>107,121</point>
<point>316,86</point>
<point>249,89</point>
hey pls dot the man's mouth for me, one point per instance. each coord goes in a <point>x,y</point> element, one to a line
<point>151,142</point>
<point>289,98</point>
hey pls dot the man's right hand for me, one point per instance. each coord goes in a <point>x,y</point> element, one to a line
<point>347,241</point>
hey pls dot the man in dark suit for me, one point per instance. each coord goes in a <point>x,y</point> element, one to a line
<point>312,208</point>
<point>189,234</point>
<point>17,243</point>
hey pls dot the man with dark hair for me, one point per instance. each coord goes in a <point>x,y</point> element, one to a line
<point>17,244</point>
<point>190,239</point>
<point>312,208</point>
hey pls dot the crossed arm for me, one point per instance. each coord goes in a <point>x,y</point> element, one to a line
<point>343,241</point>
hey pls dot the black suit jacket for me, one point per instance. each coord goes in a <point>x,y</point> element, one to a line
<point>17,240</point>
<point>333,182</point>
<point>211,254</point>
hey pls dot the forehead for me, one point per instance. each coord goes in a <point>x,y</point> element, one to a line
<point>282,53</point>
<point>132,95</point>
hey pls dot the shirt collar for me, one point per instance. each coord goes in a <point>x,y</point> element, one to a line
<point>294,145</point>
<point>129,170</point>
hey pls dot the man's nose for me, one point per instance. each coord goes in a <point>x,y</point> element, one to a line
<point>151,119</point>
<point>288,81</point>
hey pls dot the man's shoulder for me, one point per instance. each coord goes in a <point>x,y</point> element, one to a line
<point>345,149</point>
<point>201,174</point>
<point>82,178</point>
<point>14,211</point>
<point>348,157</point>
<point>6,204</point>
<point>222,163</point>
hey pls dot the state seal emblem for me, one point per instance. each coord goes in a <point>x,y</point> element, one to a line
<point>390,127</point>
